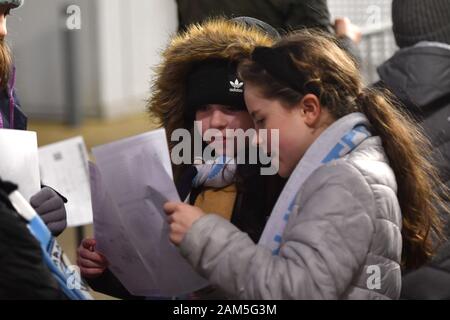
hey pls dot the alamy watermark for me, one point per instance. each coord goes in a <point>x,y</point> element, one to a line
<point>374,280</point>
<point>375,16</point>
<point>73,21</point>
<point>245,147</point>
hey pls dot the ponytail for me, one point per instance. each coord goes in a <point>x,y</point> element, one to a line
<point>5,64</point>
<point>418,181</point>
<point>314,63</point>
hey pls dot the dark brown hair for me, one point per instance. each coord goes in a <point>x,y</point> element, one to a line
<point>321,67</point>
<point>5,64</point>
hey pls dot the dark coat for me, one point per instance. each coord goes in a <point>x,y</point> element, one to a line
<point>283,15</point>
<point>255,200</point>
<point>420,77</point>
<point>23,274</point>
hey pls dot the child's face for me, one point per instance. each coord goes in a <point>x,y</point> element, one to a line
<point>294,124</point>
<point>4,12</point>
<point>220,117</point>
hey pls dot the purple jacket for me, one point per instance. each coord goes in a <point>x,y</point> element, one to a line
<point>11,116</point>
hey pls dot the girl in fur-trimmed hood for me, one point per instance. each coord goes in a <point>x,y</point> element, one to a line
<point>193,83</point>
<point>215,39</point>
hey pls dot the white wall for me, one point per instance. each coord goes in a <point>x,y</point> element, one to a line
<point>119,42</point>
<point>362,12</point>
<point>133,35</point>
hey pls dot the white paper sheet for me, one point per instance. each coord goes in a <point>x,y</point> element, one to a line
<point>19,160</point>
<point>133,181</point>
<point>64,167</point>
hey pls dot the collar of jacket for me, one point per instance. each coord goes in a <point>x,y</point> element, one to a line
<point>20,119</point>
<point>416,73</point>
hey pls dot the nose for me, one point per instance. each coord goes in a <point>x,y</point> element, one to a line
<point>218,120</point>
<point>256,139</point>
<point>3,29</point>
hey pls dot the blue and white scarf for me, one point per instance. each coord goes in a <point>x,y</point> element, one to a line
<point>217,173</point>
<point>341,138</point>
<point>65,274</point>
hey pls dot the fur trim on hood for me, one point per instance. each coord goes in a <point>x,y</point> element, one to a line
<point>217,38</point>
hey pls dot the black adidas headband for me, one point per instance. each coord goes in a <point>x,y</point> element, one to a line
<point>278,63</point>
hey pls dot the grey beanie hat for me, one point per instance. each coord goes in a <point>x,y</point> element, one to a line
<point>263,26</point>
<point>420,20</point>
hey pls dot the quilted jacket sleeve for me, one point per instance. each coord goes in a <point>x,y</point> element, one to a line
<point>324,245</point>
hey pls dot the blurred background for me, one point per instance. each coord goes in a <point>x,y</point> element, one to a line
<point>94,80</point>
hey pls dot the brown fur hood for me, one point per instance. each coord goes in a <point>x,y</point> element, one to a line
<point>218,38</point>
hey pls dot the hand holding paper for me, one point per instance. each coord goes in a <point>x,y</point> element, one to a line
<point>181,217</point>
<point>92,263</point>
<point>132,183</point>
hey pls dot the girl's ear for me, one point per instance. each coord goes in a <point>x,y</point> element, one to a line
<point>310,109</point>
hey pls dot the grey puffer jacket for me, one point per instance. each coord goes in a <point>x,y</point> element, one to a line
<point>343,233</point>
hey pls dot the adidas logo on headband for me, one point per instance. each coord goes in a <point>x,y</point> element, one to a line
<point>237,86</point>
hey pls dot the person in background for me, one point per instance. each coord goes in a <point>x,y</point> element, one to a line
<point>47,202</point>
<point>419,75</point>
<point>283,15</point>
